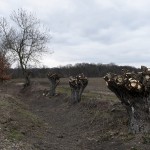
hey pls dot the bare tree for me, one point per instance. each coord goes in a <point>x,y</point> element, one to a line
<point>77,85</point>
<point>25,39</point>
<point>133,90</point>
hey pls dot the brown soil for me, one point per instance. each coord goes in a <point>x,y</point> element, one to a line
<point>96,123</point>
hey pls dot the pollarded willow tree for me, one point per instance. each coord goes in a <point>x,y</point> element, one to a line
<point>54,81</point>
<point>25,39</point>
<point>133,90</point>
<point>77,85</point>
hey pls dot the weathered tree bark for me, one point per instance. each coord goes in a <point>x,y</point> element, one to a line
<point>27,75</point>
<point>77,85</point>
<point>54,81</point>
<point>75,97</point>
<point>134,93</point>
<point>52,87</point>
<point>84,83</point>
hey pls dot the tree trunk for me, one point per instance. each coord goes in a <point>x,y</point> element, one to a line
<point>137,106</point>
<point>27,78</point>
<point>80,92</point>
<point>26,74</point>
<point>52,87</point>
<point>138,119</point>
<point>75,95</point>
<point>54,81</point>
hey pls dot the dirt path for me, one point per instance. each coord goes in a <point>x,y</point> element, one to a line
<point>69,126</point>
<point>66,123</point>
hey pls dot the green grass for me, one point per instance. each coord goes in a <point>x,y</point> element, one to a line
<point>16,120</point>
<point>96,89</point>
<point>4,103</point>
<point>99,96</point>
<point>64,90</point>
<point>28,115</point>
<point>15,135</point>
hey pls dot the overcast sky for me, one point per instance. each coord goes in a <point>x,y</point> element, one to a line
<point>92,31</point>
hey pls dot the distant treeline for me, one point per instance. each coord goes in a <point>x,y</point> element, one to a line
<point>90,70</point>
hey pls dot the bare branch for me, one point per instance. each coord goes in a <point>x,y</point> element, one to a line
<point>26,41</point>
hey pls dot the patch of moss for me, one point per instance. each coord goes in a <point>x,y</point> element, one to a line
<point>109,97</point>
<point>4,103</point>
<point>15,135</point>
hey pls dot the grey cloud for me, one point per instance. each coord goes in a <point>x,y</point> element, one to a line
<point>93,31</point>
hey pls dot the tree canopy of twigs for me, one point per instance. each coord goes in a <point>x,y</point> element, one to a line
<point>25,38</point>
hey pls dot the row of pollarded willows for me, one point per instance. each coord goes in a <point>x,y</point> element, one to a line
<point>133,90</point>
<point>77,85</point>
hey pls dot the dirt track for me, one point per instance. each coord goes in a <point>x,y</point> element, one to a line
<point>89,125</point>
<point>68,125</point>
